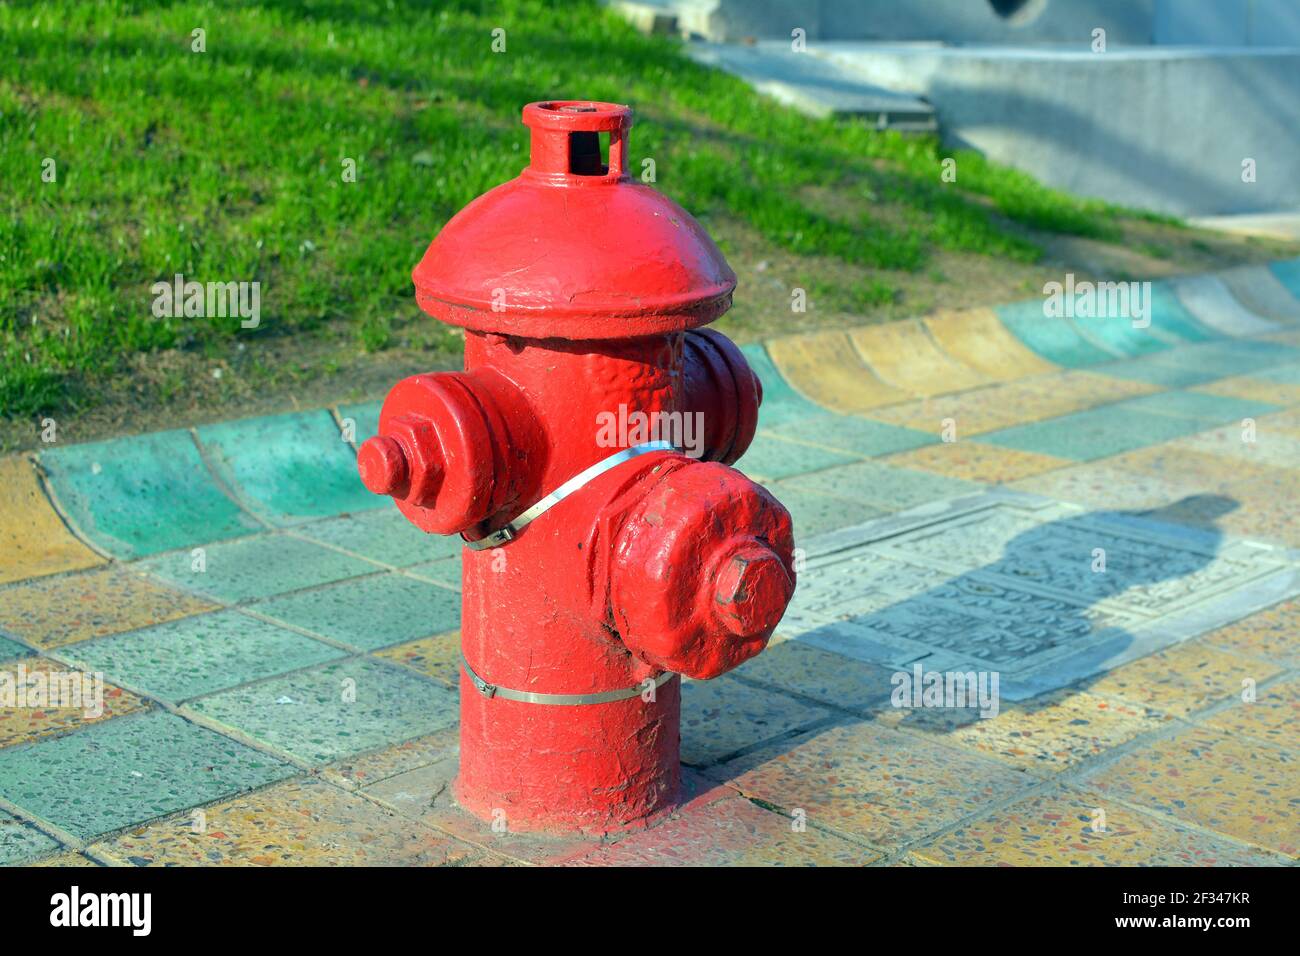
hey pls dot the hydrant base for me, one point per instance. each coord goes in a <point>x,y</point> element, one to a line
<point>594,769</point>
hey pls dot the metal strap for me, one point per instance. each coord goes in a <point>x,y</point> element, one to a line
<point>562,700</point>
<point>507,533</point>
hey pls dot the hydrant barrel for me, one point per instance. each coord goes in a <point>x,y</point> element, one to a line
<point>584,456</point>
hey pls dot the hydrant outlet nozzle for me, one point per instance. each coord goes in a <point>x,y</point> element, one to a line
<point>752,590</point>
<point>383,466</point>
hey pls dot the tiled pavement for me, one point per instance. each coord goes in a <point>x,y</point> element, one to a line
<point>1103,516</point>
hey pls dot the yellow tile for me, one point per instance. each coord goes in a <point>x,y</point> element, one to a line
<point>1234,785</point>
<point>1012,403</point>
<point>1287,420</point>
<point>424,794</point>
<point>1263,513</point>
<point>825,368</point>
<point>1271,716</point>
<point>368,769</point>
<point>1253,389</point>
<point>33,539</point>
<point>728,832</point>
<point>1289,337</point>
<point>1075,390</point>
<point>885,787</point>
<point>977,338</point>
<point>1183,679</point>
<point>904,355</point>
<point>912,859</point>
<point>974,412</point>
<point>437,657</point>
<point>1208,472</point>
<point>67,858</point>
<point>1070,827</point>
<point>973,461</point>
<point>1051,732</point>
<point>301,822</point>
<point>52,612</point>
<point>32,676</point>
<point>1270,446</point>
<point>1269,635</point>
<point>1100,484</point>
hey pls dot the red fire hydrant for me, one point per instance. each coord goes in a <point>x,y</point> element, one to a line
<point>583,456</point>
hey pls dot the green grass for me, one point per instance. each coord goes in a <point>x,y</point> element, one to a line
<point>226,165</point>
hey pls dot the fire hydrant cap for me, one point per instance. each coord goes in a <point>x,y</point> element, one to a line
<point>382,464</point>
<point>574,247</point>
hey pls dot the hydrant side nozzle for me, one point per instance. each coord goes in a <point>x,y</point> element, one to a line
<point>722,386</point>
<point>686,600</point>
<point>451,448</point>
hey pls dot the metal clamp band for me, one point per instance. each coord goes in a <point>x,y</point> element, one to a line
<point>562,700</point>
<point>507,533</point>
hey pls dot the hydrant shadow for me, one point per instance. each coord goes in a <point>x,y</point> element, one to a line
<point>1000,620</point>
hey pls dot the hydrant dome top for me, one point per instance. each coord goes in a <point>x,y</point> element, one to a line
<point>574,247</point>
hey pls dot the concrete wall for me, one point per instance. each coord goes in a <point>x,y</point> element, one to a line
<point>987,21</point>
<point>951,21</point>
<point>1127,22</point>
<point>1266,23</point>
<point>1162,127</point>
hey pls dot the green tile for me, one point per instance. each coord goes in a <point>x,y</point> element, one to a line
<point>1117,334</point>
<point>781,403</point>
<point>144,494</point>
<point>199,655</point>
<point>773,457</point>
<point>1054,339</point>
<point>862,437</point>
<point>1095,433</point>
<point>723,716</point>
<point>257,567</point>
<point>1288,273</point>
<point>880,485</point>
<point>1232,357</point>
<point>444,571</point>
<point>309,713</point>
<point>128,770</point>
<point>371,612</point>
<point>21,843</point>
<point>11,649</point>
<point>1200,407</point>
<point>1170,316</point>
<point>1283,374</point>
<point>814,513</point>
<point>822,675</point>
<point>366,419</point>
<point>384,536</point>
<point>288,468</point>
<point>1156,372</point>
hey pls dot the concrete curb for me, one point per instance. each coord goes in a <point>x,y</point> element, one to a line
<point>132,497</point>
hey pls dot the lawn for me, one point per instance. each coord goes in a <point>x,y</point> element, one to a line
<point>229,164</point>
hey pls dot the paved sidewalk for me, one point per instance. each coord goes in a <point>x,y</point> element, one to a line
<point>1105,517</point>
